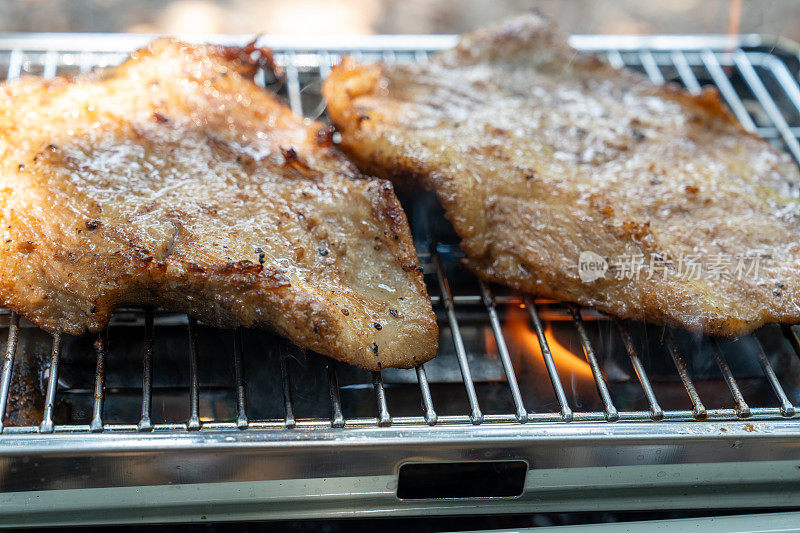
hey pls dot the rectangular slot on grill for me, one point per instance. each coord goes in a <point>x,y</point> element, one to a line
<point>475,479</point>
<point>616,395</point>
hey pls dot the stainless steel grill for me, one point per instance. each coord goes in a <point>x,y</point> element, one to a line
<point>172,420</point>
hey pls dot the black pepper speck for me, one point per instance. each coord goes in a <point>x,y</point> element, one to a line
<point>375,348</point>
<point>322,251</point>
<point>393,312</point>
<point>378,326</point>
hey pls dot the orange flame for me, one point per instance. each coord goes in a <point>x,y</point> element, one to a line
<point>734,18</point>
<point>734,21</point>
<point>519,332</point>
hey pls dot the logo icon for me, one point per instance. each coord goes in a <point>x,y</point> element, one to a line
<point>591,266</point>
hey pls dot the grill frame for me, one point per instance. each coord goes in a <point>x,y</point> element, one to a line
<point>746,453</point>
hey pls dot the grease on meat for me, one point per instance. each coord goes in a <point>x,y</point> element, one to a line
<point>173,180</point>
<point>539,153</point>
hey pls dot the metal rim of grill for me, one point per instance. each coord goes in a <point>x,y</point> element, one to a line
<point>660,58</point>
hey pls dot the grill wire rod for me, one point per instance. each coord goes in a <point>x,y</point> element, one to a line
<point>694,68</point>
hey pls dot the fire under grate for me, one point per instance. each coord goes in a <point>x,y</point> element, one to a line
<point>508,364</point>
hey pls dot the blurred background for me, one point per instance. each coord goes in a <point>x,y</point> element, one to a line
<point>302,17</point>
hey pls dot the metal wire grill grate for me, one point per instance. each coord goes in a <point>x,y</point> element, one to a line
<point>761,89</point>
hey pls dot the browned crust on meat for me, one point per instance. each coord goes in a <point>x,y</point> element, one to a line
<point>375,107</point>
<point>241,214</point>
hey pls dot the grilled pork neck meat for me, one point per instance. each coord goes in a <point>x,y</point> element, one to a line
<point>544,158</point>
<point>173,180</point>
